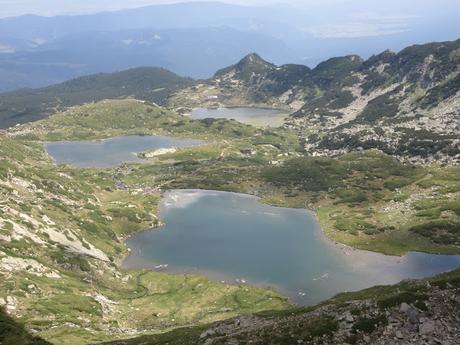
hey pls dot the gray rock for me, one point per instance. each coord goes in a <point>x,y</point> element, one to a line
<point>349,318</point>
<point>404,307</point>
<point>399,335</point>
<point>413,316</point>
<point>207,333</point>
<point>427,327</point>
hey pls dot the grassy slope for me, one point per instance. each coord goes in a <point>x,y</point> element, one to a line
<point>13,333</point>
<point>310,323</point>
<point>83,205</point>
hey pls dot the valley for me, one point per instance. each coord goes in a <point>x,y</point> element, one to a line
<point>73,223</point>
<point>63,228</point>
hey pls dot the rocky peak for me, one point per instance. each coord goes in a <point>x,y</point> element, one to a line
<point>253,60</point>
<point>248,69</point>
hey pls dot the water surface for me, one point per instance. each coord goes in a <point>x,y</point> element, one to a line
<point>110,152</point>
<point>253,116</point>
<point>233,238</point>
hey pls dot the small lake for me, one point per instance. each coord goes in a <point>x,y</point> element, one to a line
<point>253,116</point>
<point>111,152</point>
<point>235,239</point>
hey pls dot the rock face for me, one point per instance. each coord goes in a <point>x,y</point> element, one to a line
<point>9,264</point>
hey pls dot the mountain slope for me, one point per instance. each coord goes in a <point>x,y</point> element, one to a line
<point>422,312</point>
<point>405,104</point>
<point>62,233</point>
<point>11,332</point>
<point>150,84</point>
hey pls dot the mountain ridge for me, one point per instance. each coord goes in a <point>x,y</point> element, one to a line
<point>416,90</point>
<point>146,83</point>
<point>400,103</point>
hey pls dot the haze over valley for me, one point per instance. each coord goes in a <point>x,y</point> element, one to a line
<point>194,39</point>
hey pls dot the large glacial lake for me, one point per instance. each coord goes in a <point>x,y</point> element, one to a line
<point>234,238</point>
<point>111,152</point>
<point>254,116</point>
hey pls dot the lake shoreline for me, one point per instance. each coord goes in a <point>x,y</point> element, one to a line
<point>349,255</point>
<point>111,152</point>
<point>256,116</point>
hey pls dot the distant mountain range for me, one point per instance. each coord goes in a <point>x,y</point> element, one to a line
<point>406,104</point>
<point>196,52</point>
<point>191,39</point>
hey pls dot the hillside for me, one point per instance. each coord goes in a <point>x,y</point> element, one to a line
<point>12,332</point>
<point>406,104</point>
<point>77,235</point>
<point>69,285</point>
<point>421,312</point>
<point>150,84</point>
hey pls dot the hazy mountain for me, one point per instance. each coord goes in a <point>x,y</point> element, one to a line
<point>198,38</point>
<point>196,52</point>
<point>181,15</point>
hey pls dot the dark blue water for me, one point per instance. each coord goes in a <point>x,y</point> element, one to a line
<point>232,237</point>
<point>110,152</point>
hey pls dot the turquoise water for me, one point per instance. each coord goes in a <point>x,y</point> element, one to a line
<point>234,238</point>
<point>253,116</point>
<point>110,152</point>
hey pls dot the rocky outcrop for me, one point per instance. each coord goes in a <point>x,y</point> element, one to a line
<point>432,321</point>
<point>412,312</point>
